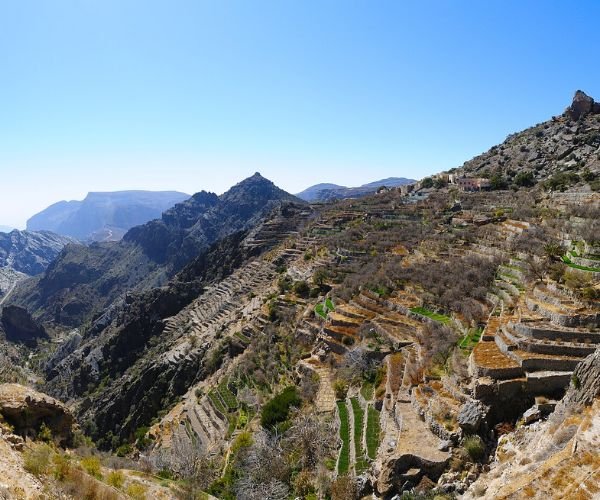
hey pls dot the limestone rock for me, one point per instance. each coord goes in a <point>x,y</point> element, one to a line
<point>472,416</point>
<point>585,383</point>
<point>26,409</point>
<point>532,415</point>
<point>582,104</point>
<point>20,326</point>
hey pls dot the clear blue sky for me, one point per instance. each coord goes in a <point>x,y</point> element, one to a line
<point>191,95</point>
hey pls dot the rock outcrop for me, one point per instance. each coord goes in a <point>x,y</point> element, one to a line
<point>582,105</point>
<point>21,327</point>
<point>26,410</point>
<point>557,458</point>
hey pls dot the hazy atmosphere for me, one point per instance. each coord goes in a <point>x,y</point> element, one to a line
<point>191,95</point>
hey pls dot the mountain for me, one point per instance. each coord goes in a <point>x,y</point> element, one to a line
<point>104,216</point>
<point>30,252</point>
<point>328,192</point>
<point>83,281</point>
<point>6,229</point>
<point>375,347</point>
<point>556,154</point>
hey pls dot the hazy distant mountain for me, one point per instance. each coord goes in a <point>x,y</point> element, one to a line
<point>86,279</point>
<point>6,229</point>
<point>327,192</point>
<point>104,216</point>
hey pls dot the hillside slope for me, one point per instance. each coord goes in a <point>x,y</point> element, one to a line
<point>558,153</point>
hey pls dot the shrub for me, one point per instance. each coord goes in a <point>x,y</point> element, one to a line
<point>524,179</point>
<point>427,182</point>
<point>344,488</point>
<point>37,459</point>
<point>340,388</point>
<point>116,478</point>
<point>474,447</point>
<point>92,466</point>
<point>124,450</point>
<point>277,410</point>
<point>61,467</point>
<point>44,434</point>
<point>301,289</point>
<point>137,491</point>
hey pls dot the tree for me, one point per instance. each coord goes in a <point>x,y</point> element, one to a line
<point>310,440</point>
<point>524,179</point>
<point>498,182</point>
<point>427,183</point>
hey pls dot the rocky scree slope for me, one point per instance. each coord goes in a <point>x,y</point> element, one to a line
<point>83,281</point>
<point>104,216</point>
<point>561,152</point>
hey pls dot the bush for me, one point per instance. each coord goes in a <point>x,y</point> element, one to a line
<point>44,434</point>
<point>427,183</point>
<point>136,491</point>
<point>524,179</point>
<point>61,467</point>
<point>116,478</point>
<point>301,289</point>
<point>37,459</point>
<point>124,450</point>
<point>277,410</point>
<point>340,388</point>
<point>474,447</point>
<point>92,466</point>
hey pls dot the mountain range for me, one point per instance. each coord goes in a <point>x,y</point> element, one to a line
<point>104,216</point>
<point>84,280</point>
<point>254,345</point>
<point>329,192</point>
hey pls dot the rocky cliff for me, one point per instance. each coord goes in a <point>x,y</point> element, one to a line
<point>30,252</point>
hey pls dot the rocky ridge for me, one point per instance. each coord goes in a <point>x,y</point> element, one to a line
<point>564,148</point>
<point>30,252</point>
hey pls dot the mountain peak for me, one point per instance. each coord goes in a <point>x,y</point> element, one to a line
<point>582,104</point>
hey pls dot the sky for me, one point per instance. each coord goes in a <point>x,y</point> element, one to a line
<point>105,95</point>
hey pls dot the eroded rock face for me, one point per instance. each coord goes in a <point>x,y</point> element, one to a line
<point>20,326</point>
<point>585,383</point>
<point>582,104</point>
<point>26,409</point>
<point>472,416</point>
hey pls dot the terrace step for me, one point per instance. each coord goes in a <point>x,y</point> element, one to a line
<point>547,331</point>
<point>487,360</point>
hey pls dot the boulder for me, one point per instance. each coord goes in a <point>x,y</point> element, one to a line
<point>532,415</point>
<point>472,416</point>
<point>26,410</point>
<point>582,104</point>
